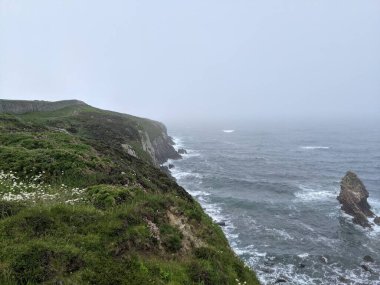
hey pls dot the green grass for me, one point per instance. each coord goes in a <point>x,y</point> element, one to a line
<point>76,209</point>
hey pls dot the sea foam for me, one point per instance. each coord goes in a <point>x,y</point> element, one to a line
<point>309,194</point>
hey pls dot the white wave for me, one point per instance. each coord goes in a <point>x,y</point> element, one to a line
<point>375,204</point>
<point>308,194</point>
<point>178,143</point>
<point>228,131</point>
<point>190,153</point>
<point>197,193</point>
<point>315,195</point>
<point>314,147</point>
<point>375,231</point>
<point>310,228</point>
<point>303,255</point>
<point>287,271</point>
<point>183,174</point>
<point>250,249</point>
<point>281,233</point>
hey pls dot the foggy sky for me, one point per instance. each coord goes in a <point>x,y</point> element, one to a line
<point>198,59</point>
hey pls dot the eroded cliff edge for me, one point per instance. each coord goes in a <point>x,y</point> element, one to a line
<point>132,134</point>
<point>82,201</point>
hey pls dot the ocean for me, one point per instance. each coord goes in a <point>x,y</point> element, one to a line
<point>275,190</point>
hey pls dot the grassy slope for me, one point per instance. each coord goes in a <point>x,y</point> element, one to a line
<point>91,214</point>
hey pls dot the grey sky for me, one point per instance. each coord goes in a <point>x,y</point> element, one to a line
<point>172,60</point>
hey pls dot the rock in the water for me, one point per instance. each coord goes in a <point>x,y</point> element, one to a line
<point>182,151</point>
<point>368,258</point>
<point>323,259</point>
<point>343,279</point>
<point>269,263</point>
<point>222,224</point>
<point>280,280</point>
<point>171,166</point>
<point>267,270</point>
<point>366,268</point>
<point>377,221</point>
<point>353,197</point>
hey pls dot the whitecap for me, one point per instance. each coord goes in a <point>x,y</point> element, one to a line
<point>375,230</point>
<point>281,233</point>
<point>183,174</point>
<point>315,195</point>
<point>311,147</point>
<point>190,153</point>
<point>228,131</point>
<point>197,193</point>
<point>375,204</point>
<point>310,228</point>
<point>178,143</point>
<point>308,194</point>
<point>303,255</point>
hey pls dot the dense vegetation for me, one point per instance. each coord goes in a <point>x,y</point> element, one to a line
<point>75,208</point>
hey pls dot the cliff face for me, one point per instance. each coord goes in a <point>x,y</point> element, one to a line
<point>82,201</point>
<point>160,147</point>
<point>132,134</point>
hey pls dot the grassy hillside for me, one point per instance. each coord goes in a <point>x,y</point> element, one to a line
<point>76,207</point>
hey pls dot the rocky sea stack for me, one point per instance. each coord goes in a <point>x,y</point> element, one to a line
<point>353,197</point>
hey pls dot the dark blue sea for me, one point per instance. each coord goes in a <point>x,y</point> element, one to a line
<point>276,188</point>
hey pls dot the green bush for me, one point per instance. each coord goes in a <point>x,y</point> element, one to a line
<point>39,262</point>
<point>171,238</point>
<point>10,208</point>
<point>106,196</point>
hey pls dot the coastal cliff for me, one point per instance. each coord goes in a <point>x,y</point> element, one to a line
<point>133,134</point>
<point>83,201</point>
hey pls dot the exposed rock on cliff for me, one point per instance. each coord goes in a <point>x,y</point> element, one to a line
<point>158,144</point>
<point>353,197</point>
<point>138,137</point>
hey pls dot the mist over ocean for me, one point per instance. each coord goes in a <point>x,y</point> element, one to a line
<point>276,191</point>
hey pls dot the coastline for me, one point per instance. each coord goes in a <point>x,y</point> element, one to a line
<point>129,223</point>
<point>268,268</point>
<point>214,210</point>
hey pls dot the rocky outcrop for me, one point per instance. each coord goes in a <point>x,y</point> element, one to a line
<point>158,144</point>
<point>164,149</point>
<point>23,106</point>
<point>129,149</point>
<point>353,197</point>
